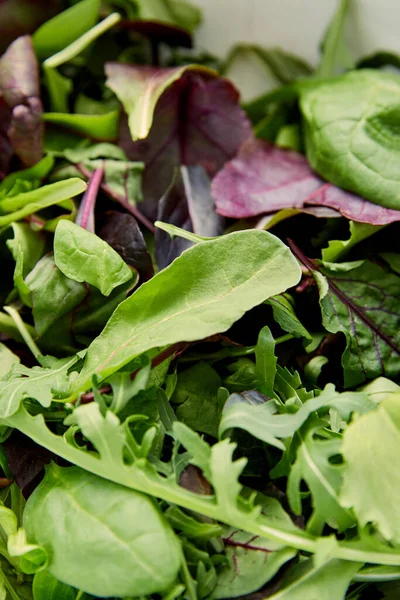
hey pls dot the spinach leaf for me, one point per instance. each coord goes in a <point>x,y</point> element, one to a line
<point>169,308</point>
<point>99,545</point>
<point>46,587</point>
<point>84,257</point>
<point>352,134</point>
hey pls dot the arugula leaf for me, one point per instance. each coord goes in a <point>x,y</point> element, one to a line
<point>351,134</point>
<point>156,315</point>
<point>7,359</point>
<point>284,314</point>
<point>84,257</point>
<point>98,551</point>
<point>263,179</point>
<point>373,437</point>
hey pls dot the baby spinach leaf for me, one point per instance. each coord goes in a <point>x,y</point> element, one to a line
<point>362,302</point>
<point>66,27</point>
<point>196,393</point>
<point>214,123</point>
<point>263,179</point>
<point>173,307</point>
<point>352,135</point>
<point>84,257</point>
<point>111,541</point>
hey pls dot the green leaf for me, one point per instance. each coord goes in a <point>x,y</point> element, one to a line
<point>327,581</point>
<point>203,292</point>
<point>27,247</point>
<point>352,133</point>
<point>104,127</point>
<point>84,257</point>
<point>371,480</point>
<point>19,181</point>
<point>335,54</point>
<point>337,249</point>
<point>199,450</point>
<point>95,545</point>
<point>285,315</point>
<point>46,587</point>
<point>266,362</point>
<point>63,29</point>
<point>361,300</point>
<point>262,422</point>
<point>59,88</point>
<point>196,393</point>
<point>323,478</point>
<point>174,12</point>
<point>7,359</point>
<point>252,562</point>
<point>22,205</point>
<point>139,91</point>
<point>37,382</point>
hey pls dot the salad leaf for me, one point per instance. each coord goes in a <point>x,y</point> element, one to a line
<point>100,536</point>
<point>47,587</point>
<point>163,312</point>
<point>83,256</point>
<point>208,106</point>
<point>351,135</point>
<point>335,53</point>
<point>19,86</point>
<point>264,179</point>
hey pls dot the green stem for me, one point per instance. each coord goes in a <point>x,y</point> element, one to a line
<point>81,43</point>
<point>24,332</point>
<point>141,477</point>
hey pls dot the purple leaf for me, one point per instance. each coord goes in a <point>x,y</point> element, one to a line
<point>187,204</point>
<point>265,179</point>
<point>20,89</point>
<point>19,17</point>
<point>85,216</point>
<point>123,234</point>
<point>197,120</point>
<point>159,32</point>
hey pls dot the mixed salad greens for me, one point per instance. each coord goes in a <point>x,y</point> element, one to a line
<point>200,324</point>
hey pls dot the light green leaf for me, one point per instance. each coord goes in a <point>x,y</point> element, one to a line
<point>37,382</point>
<point>323,478</point>
<point>63,29</point>
<point>32,557</point>
<point>203,292</point>
<point>26,247</point>
<point>22,205</point>
<point>32,177</point>
<point>352,136</point>
<point>7,359</point>
<point>59,88</point>
<point>84,257</point>
<point>328,581</point>
<point>285,315</point>
<point>371,481</point>
<point>199,449</point>
<point>337,249</point>
<point>173,12</point>
<point>266,362</point>
<point>139,91</point>
<point>95,546</point>
<point>46,587</point>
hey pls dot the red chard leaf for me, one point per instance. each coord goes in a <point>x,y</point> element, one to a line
<point>196,120</point>
<point>20,89</point>
<point>264,179</point>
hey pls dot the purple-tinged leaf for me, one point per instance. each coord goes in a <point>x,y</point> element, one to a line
<point>121,231</point>
<point>192,117</point>
<point>5,144</point>
<point>265,179</point>
<point>187,204</point>
<point>19,17</point>
<point>361,300</point>
<point>85,216</point>
<point>20,89</point>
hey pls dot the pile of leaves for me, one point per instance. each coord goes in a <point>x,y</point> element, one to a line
<point>200,347</point>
